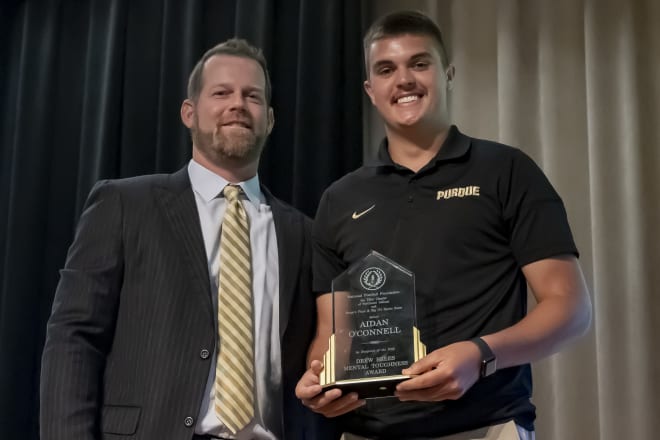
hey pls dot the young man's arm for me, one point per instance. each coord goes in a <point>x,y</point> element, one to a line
<point>562,314</point>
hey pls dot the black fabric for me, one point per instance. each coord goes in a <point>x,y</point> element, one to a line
<point>204,437</point>
<point>91,90</point>
<point>465,224</point>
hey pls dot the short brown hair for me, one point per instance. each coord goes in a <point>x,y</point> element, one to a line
<point>400,23</point>
<point>236,47</point>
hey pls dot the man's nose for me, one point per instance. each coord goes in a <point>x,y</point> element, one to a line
<point>237,101</point>
<point>405,78</point>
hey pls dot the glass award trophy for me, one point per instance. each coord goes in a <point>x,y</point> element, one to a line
<point>375,332</point>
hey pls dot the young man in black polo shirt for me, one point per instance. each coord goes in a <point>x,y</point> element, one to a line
<point>476,221</point>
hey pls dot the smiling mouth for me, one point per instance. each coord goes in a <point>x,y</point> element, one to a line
<point>407,99</point>
<point>237,124</point>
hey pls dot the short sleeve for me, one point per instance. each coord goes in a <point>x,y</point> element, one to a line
<point>326,264</point>
<point>535,214</point>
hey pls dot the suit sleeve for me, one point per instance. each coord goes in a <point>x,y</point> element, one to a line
<point>81,327</point>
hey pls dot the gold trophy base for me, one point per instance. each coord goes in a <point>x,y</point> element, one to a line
<point>383,386</point>
<point>365,387</point>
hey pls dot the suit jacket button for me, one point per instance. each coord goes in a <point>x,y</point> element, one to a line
<point>204,354</point>
<point>188,421</point>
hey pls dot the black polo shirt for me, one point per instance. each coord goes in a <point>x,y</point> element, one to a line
<point>465,224</point>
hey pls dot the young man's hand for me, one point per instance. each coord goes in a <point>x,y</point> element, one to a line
<point>330,403</point>
<point>445,373</point>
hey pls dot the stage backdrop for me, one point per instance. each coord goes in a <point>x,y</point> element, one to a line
<point>92,90</point>
<point>576,84</point>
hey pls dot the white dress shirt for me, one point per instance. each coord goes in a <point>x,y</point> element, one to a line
<point>207,187</point>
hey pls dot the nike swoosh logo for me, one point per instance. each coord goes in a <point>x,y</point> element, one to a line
<point>357,215</point>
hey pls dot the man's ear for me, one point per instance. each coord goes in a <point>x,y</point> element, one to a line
<point>271,119</point>
<point>450,72</point>
<point>188,113</point>
<point>370,92</point>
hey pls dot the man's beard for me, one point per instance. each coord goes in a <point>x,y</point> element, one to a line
<point>240,145</point>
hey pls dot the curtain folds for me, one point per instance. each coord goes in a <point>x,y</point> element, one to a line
<point>92,90</point>
<point>575,85</point>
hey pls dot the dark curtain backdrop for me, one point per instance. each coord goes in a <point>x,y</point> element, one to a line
<point>92,89</point>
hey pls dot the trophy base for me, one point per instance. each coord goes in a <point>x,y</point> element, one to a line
<point>369,388</point>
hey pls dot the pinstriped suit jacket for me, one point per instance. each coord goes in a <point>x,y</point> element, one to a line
<point>126,354</point>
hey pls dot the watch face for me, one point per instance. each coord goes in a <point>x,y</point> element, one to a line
<point>488,367</point>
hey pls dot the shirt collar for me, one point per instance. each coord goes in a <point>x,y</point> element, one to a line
<point>209,185</point>
<point>455,145</point>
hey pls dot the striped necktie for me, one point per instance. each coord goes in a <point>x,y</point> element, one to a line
<point>234,374</point>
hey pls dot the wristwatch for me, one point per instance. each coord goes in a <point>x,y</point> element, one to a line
<point>488,359</point>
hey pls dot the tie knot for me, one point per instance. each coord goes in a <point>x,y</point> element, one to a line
<point>231,193</point>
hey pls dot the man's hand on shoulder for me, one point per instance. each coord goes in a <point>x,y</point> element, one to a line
<point>445,373</point>
<point>329,403</point>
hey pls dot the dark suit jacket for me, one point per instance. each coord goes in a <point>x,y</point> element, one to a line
<point>128,342</point>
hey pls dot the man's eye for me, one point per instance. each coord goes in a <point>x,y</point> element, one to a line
<point>220,93</point>
<point>384,71</point>
<point>421,65</point>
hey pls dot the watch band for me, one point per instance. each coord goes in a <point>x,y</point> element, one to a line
<point>488,359</point>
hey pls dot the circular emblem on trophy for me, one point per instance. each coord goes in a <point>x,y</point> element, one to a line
<point>372,278</point>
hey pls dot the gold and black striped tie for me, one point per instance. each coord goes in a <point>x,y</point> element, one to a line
<point>234,374</point>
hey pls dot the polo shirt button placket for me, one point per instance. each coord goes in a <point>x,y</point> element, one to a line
<point>412,187</point>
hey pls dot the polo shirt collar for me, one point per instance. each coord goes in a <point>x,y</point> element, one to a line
<point>455,145</point>
<point>209,185</point>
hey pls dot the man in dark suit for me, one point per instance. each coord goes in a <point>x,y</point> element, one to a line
<point>132,342</point>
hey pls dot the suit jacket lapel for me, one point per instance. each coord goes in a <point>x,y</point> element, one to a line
<point>289,231</point>
<point>179,207</point>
